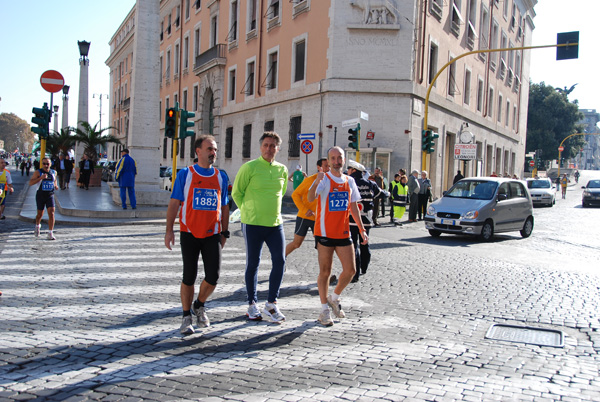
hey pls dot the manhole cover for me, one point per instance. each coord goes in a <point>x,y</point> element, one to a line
<point>534,336</point>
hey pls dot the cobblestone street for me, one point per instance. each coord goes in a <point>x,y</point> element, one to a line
<point>95,316</point>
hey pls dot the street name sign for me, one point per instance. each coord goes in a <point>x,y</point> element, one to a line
<point>351,122</point>
<point>52,81</point>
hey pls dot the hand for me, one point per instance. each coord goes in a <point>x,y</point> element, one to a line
<point>310,213</point>
<point>365,237</point>
<point>223,240</point>
<point>169,239</point>
<point>44,176</point>
<point>320,176</point>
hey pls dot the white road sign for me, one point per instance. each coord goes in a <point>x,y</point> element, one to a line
<point>351,122</point>
<point>465,151</point>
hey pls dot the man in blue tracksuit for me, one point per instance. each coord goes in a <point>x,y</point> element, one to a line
<point>125,174</point>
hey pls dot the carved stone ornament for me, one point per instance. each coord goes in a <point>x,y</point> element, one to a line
<point>377,12</point>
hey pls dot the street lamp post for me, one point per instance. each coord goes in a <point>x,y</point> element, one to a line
<point>84,62</point>
<point>65,110</point>
<point>55,118</point>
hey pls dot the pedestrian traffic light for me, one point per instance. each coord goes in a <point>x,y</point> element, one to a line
<point>170,122</point>
<point>354,138</point>
<point>184,124</point>
<point>42,119</point>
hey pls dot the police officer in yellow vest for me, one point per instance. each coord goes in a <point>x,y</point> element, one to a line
<point>399,198</point>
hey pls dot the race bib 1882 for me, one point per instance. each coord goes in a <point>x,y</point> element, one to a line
<point>205,199</point>
<point>338,201</point>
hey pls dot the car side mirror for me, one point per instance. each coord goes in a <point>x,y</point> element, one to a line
<point>502,197</point>
<point>582,186</point>
<point>444,193</point>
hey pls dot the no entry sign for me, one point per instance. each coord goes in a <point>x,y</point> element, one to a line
<point>52,81</point>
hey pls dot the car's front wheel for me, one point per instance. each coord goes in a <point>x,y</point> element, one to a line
<point>487,231</point>
<point>527,227</point>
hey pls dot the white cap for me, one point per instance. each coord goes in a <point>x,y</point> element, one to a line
<point>298,167</point>
<point>355,165</point>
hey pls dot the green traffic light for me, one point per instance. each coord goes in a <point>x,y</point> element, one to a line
<point>184,124</point>
<point>353,138</point>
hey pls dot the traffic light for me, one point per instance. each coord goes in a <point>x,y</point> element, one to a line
<point>428,137</point>
<point>354,138</point>
<point>184,124</point>
<point>42,119</point>
<point>170,122</point>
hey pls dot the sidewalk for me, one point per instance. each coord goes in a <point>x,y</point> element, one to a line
<point>91,207</point>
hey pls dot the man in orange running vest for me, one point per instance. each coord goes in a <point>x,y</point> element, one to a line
<point>201,191</point>
<point>337,197</point>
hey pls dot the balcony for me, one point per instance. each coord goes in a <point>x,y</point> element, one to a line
<point>126,103</point>
<point>213,56</point>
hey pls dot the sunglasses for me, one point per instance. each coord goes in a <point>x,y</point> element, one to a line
<point>45,164</point>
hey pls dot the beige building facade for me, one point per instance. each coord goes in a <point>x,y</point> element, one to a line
<point>307,66</point>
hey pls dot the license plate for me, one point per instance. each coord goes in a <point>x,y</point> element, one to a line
<point>448,222</point>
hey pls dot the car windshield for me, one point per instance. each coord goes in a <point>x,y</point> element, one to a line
<point>538,184</point>
<point>594,184</point>
<point>474,189</point>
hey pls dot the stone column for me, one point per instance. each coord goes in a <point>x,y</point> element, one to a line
<point>65,111</point>
<point>143,139</point>
<point>82,106</point>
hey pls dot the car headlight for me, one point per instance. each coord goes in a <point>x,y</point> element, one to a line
<point>431,210</point>
<point>471,215</point>
<point>586,193</point>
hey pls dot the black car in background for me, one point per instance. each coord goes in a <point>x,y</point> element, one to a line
<point>591,194</point>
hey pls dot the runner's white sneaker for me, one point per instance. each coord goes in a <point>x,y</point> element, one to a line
<point>325,318</point>
<point>336,307</point>
<point>51,236</point>
<point>253,313</point>
<point>37,231</point>
<point>186,325</point>
<point>272,313</point>
<point>201,317</point>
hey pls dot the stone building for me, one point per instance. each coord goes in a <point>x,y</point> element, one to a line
<point>306,66</point>
<point>590,155</point>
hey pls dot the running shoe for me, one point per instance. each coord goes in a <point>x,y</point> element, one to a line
<point>325,318</point>
<point>186,325</point>
<point>37,231</point>
<point>336,307</point>
<point>272,313</point>
<point>51,236</point>
<point>201,317</point>
<point>253,313</point>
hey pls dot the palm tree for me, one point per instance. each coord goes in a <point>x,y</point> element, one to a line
<point>91,138</point>
<point>60,141</point>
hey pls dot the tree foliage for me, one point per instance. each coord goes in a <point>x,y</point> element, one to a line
<point>15,132</point>
<point>551,118</point>
<point>91,138</point>
<point>60,141</point>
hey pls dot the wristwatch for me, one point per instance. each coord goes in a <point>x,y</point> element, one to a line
<point>225,234</point>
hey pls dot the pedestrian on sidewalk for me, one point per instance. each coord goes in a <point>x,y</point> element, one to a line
<point>378,202</point>
<point>44,197</point>
<point>27,166</point>
<point>424,194</point>
<point>337,197</point>
<point>22,166</point>
<point>60,171</point>
<point>68,170</point>
<point>306,210</point>
<point>125,172</point>
<point>564,182</point>
<point>6,186</point>
<point>86,169</point>
<point>201,191</point>
<point>258,191</point>
<point>413,195</point>
<point>369,191</point>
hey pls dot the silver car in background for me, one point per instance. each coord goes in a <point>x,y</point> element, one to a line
<point>542,191</point>
<point>482,206</point>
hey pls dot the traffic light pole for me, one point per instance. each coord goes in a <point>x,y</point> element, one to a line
<point>175,145</point>
<point>426,113</point>
<point>561,144</point>
<point>43,140</point>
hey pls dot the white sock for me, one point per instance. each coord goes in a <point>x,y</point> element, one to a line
<point>334,296</point>
<point>324,307</point>
<point>38,226</point>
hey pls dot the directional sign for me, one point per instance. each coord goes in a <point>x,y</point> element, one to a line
<point>306,136</point>
<point>306,146</point>
<point>52,81</point>
<point>351,122</point>
<point>561,149</point>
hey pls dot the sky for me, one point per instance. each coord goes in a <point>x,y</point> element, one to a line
<point>41,35</point>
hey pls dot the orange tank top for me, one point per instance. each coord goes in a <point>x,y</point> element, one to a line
<point>333,211</point>
<point>200,213</point>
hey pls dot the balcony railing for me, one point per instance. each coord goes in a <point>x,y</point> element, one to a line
<point>215,52</point>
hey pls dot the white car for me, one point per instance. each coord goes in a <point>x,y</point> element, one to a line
<point>542,191</point>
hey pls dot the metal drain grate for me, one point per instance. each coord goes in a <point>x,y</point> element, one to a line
<point>531,335</point>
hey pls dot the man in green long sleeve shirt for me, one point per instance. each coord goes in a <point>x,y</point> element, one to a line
<point>258,191</point>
